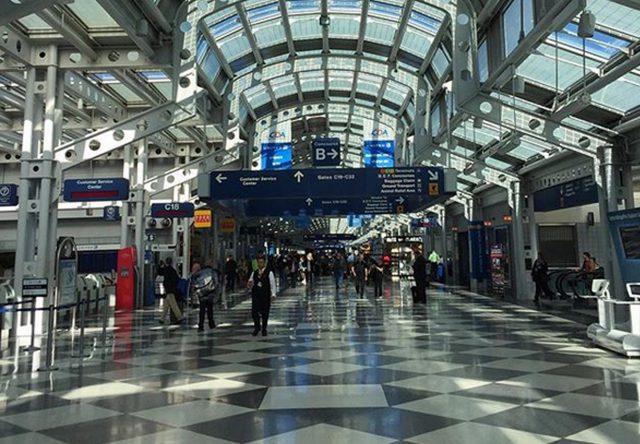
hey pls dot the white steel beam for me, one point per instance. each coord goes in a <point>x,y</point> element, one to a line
<point>125,132</point>
<point>114,58</point>
<point>435,44</point>
<point>248,32</point>
<point>12,11</point>
<point>15,44</point>
<point>129,17</point>
<point>402,28</point>
<point>363,26</point>
<point>153,13</point>
<point>286,24</point>
<point>91,93</point>
<point>71,30</point>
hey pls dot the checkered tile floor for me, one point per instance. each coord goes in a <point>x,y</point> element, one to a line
<point>463,369</point>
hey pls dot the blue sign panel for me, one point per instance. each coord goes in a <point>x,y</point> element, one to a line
<point>93,190</point>
<point>379,153</point>
<point>8,195</point>
<point>578,192</point>
<point>334,182</point>
<point>172,210</point>
<point>326,152</point>
<point>625,233</point>
<point>334,206</point>
<point>354,221</point>
<point>478,241</point>
<point>111,214</point>
<point>276,156</point>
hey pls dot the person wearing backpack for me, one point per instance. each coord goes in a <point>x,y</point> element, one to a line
<point>361,274</point>
<point>206,283</point>
<point>171,280</point>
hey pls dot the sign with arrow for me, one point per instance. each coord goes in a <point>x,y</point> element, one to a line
<point>375,205</point>
<point>378,153</point>
<point>326,152</point>
<point>322,183</point>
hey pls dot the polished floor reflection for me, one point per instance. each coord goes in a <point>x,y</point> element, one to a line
<point>334,369</point>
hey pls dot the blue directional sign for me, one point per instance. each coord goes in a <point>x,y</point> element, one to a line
<point>334,182</point>
<point>111,214</point>
<point>575,193</point>
<point>8,195</point>
<point>276,156</point>
<point>93,190</point>
<point>338,206</point>
<point>326,152</point>
<point>172,210</point>
<point>379,153</point>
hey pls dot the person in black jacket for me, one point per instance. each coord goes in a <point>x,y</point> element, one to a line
<point>540,276</point>
<point>262,284</point>
<point>231,273</point>
<point>420,276</point>
<point>171,278</point>
<point>376,275</point>
<point>205,285</point>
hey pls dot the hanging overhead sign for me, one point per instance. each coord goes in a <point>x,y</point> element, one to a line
<point>334,182</point>
<point>326,152</point>
<point>202,218</point>
<point>276,156</point>
<point>8,195</point>
<point>111,214</point>
<point>94,190</point>
<point>625,233</point>
<point>172,210</point>
<point>227,225</point>
<point>339,206</point>
<point>582,191</point>
<point>378,153</point>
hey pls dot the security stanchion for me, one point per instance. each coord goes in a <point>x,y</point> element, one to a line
<point>48,365</point>
<point>105,321</point>
<point>32,347</point>
<point>83,310</point>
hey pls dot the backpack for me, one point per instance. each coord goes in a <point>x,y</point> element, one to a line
<point>182,288</point>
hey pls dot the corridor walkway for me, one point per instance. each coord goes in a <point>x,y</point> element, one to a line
<point>463,369</point>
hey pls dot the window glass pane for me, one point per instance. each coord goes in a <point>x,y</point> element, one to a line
<point>440,62</point>
<point>435,120</point>
<point>483,61</point>
<point>516,22</point>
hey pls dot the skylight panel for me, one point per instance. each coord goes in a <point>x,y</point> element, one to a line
<point>294,6</point>
<point>601,45</point>
<point>263,12</point>
<point>385,9</point>
<point>226,26</point>
<point>345,5</point>
<point>424,22</point>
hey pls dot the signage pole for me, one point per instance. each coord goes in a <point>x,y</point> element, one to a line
<point>48,366</point>
<point>32,347</point>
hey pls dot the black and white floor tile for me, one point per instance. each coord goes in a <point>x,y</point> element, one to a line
<point>334,368</point>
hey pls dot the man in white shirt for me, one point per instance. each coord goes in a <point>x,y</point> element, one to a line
<point>262,284</point>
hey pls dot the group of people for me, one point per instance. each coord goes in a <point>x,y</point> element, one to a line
<point>540,274</point>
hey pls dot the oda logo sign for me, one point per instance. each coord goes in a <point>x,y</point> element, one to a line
<point>275,135</point>
<point>380,132</point>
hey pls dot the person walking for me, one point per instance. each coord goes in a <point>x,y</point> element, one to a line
<point>293,269</point>
<point>420,276</point>
<point>205,285</point>
<point>434,259</point>
<point>170,280</point>
<point>339,268</point>
<point>360,274</point>
<point>376,273</point>
<point>540,276</point>
<point>231,273</point>
<point>262,284</point>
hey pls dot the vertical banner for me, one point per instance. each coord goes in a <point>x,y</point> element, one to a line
<point>477,239</point>
<point>625,234</point>
<point>276,147</point>
<point>378,146</point>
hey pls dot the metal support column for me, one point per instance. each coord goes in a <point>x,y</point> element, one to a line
<point>216,241</point>
<point>604,172</point>
<point>442,214</point>
<point>533,228</point>
<point>474,213</point>
<point>186,232</point>
<point>26,228</point>
<point>422,131</point>
<point>127,168</point>
<point>140,199</point>
<point>516,202</point>
<point>175,231</point>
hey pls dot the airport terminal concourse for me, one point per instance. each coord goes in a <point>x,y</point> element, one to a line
<point>319,221</point>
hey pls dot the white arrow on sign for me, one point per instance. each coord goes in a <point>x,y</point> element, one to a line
<point>309,201</point>
<point>298,175</point>
<point>433,176</point>
<point>400,200</point>
<point>220,178</point>
<point>333,153</point>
